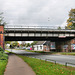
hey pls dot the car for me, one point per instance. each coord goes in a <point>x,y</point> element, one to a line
<point>24,48</point>
<point>28,48</point>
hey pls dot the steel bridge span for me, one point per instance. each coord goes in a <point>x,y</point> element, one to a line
<point>37,33</point>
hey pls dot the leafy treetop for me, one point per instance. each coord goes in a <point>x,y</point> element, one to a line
<point>71,20</point>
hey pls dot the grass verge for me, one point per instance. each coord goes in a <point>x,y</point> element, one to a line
<point>3,64</point>
<point>47,68</point>
<point>35,51</point>
<point>68,53</point>
<point>42,52</point>
<point>7,51</point>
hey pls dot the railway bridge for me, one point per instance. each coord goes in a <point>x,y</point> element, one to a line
<point>35,33</point>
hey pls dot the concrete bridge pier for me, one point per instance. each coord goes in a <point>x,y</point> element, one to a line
<point>2,36</point>
<point>59,46</point>
<point>65,46</point>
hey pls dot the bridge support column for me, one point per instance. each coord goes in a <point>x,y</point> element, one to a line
<point>66,46</point>
<point>63,46</point>
<point>59,46</point>
<point>71,45</point>
<point>2,36</point>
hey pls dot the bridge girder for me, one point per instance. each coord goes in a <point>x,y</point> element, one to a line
<point>37,38</point>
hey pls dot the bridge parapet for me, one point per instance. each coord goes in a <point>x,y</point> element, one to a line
<point>36,28</point>
<point>38,32</point>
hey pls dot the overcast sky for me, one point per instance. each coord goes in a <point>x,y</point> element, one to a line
<point>36,12</point>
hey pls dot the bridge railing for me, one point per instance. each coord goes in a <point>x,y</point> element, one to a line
<point>36,28</point>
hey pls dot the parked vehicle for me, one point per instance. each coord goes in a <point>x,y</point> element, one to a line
<point>29,48</point>
<point>24,48</point>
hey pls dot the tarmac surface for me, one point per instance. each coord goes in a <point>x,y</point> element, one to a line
<point>61,59</point>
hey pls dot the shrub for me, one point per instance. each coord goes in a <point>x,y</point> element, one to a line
<point>3,56</point>
<point>1,49</point>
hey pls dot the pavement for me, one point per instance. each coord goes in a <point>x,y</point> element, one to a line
<point>16,66</point>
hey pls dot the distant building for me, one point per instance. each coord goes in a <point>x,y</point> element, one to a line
<point>7,45</point>
<point>39,46</point>
<point>49,46</point>
<point>44,46</point>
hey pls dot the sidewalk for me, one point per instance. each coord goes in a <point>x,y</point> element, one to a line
<point>16,66</point>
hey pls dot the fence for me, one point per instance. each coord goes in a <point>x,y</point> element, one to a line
<point>32,27</point>
<point>36,28</point>
<point>69,63</point>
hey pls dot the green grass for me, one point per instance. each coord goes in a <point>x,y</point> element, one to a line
<point>68,53</point>
<point>3,64</point>
<point>7,51</point>
<point>47,68</point>
<point>41,52</point>
<point>35,51</point>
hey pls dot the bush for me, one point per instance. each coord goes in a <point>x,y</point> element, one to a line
<point>1,49</point>
<point>3,56</point>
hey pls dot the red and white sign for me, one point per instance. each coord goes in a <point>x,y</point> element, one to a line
<point>62,36</point>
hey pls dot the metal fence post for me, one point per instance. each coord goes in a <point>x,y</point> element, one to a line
<point>66,64</point>
<point>55,62</point>
<point>45,60</point>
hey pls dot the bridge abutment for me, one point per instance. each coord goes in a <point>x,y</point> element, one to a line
<point>65,46</point>
<point>2,36</point>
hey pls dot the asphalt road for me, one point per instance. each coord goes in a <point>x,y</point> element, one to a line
<point>61,59</point>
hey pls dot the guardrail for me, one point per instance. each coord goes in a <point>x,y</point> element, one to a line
<point>69,63</point>
<point>37,28</point>
<point>41,27</point>
<point>66,63</point>
<point>51,60</point>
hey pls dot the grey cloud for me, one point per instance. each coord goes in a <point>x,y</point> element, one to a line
<point>37,12</point>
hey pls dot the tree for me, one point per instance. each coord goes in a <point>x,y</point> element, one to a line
<point>1,49</point>
<point>59,27</point>
<point>23,43</point>
<point>28,44</point>
<point>7,42</point>
<point>71,20</point>
<point>14,44</point>
<point>33,43</point>
<point>2,19</point>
